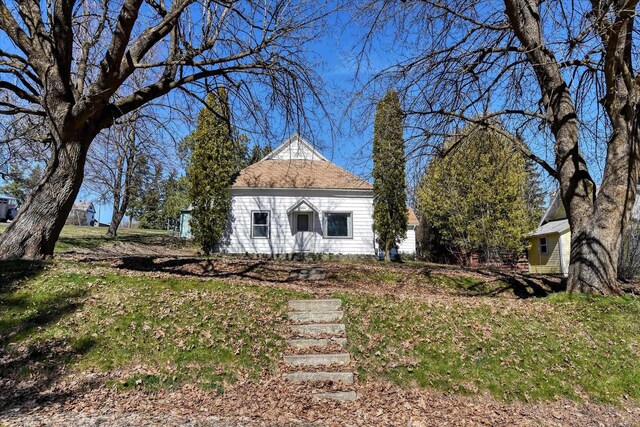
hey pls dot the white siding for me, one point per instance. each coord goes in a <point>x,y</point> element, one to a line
<point>408,245</point>
<point>295,148</point>
<point>283,239</point>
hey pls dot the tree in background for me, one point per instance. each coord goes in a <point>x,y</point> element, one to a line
<point>474,197</point>
<point>19,184</point>
<point>257,153</point>
<point>116,164</point>
<point>217,155</point>
<point>175,190</point>
<point>146,207</point>
<point>534,194</point>
<point>390,200</point>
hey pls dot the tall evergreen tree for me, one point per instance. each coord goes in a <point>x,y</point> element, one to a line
<point>217,155</point>
<point>389,180</point>
<point>534,194</point>
<point>474,198</point>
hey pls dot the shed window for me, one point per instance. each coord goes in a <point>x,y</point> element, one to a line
<point>260,225</point>
<point>543,245</point>
<point>338,224</point>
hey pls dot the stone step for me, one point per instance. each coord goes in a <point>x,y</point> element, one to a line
<point>315,304</point>
<point>337,395</point>
<point>317,359</point>
<point>299,377</point>
<point>317,330</point>
<point>315,316</point>
<point>320,342</point>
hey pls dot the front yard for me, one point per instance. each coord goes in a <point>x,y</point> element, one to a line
<point>142,325</point>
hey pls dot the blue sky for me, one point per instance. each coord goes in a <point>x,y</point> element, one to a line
<point>335,55</point>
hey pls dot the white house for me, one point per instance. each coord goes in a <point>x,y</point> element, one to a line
<point>296,201</point>
<point>82,213</point>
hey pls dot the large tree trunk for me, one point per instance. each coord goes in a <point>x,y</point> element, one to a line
<point>35,230</point>
<point>593,262</point>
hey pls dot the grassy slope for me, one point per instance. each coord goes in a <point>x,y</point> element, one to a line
<point>564,346</point>
<point>149,331</point>
<point>454,336</point>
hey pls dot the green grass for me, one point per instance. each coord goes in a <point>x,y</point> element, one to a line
<point>148,332</point>
<point>76,238</point>
<point>562,346</point>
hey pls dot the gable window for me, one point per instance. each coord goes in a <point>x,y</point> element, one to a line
<point>338,224</point>
<point>260,224</point>
<point>543,245</point>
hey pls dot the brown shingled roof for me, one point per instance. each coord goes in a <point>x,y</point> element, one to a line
<point>298,174</point>
<point>412,218</point>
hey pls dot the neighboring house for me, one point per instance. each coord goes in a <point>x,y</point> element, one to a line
<point>550,243</point>
<point>82,213</point>
<point>8,208</point>
<point>296,201</point>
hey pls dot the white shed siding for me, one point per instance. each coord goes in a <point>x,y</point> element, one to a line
<point>408,245</point>
<point>283,239</point>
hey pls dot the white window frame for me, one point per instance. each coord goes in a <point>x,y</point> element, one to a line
<point>268,225</point>
<point>326,227</point>
<point>544,245</point>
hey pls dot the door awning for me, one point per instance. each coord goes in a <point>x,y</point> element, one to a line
<point>303,205</point>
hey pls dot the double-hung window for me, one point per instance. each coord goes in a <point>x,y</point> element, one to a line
<point>543,245</point>
<point>260,224</point>
<point>338,225</point>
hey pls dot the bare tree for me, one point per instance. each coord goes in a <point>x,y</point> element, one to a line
<point>66,63</point>
<point>117,158</point>
<point>554,71</point>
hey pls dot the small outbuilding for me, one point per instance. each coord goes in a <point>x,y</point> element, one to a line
<point>550,244</point>
<point>82,213</point>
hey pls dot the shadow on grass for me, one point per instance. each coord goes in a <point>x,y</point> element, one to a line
<point>259,270</point>
<point>29,364</point>
<point>521,285</point>
<point>94,242</point>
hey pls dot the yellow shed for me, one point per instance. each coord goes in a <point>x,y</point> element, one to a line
<point>550,248</point>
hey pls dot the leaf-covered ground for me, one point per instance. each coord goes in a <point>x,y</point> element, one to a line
<point>96,334</point>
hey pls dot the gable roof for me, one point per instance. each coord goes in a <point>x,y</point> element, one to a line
<point>295,148</point>
<point>298,174</point>
<point>84,206</point>
<point>296,164</point>
<point>553,227</point>
<point>556,211</point>
<point>412,219</point>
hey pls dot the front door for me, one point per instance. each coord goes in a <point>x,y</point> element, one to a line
<point>303,231</point>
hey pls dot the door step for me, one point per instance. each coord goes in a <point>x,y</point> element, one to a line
<point>317,359</point>
<point>315,305</point>
<point>315,316</point>
<point>319,329</point>
<point>336,377</point>
<point>319,342</point>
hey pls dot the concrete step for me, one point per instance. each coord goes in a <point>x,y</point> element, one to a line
<point>299,377</point>
<point>317,359</point>
<point>315,316</point>
<point>321,342</point>
<point>337,395</point>
<point>315,304</point>
<point>317,330</point>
